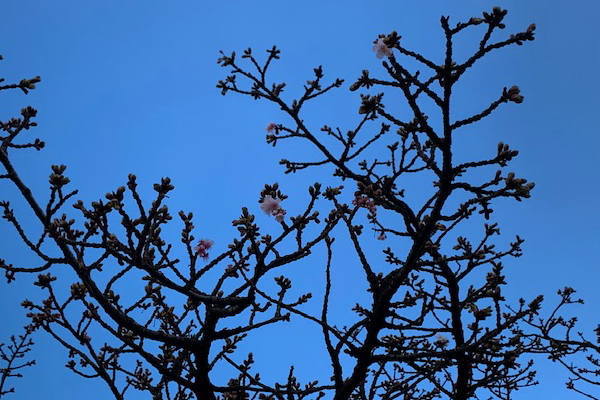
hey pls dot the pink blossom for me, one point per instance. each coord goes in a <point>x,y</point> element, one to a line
<point>365,202</point>
<point>279,214</point>
<point>271,206</point>
<point>203,246</point>
<point>381,236</point>
<point>381,49</point>
<point>272,127</point>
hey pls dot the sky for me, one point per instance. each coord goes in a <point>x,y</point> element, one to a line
<point>130,87</point>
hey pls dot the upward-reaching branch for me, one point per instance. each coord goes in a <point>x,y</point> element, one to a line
<point>12,355</point>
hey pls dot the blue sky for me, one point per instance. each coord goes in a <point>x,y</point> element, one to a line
<point>130,87</point>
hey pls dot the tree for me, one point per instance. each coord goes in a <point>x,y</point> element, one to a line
<point>433,328</point>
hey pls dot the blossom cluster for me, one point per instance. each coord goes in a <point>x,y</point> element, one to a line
<point>271,206</point>
<point>381,49</point>
<point>365,202</point>
<point>272,127</point>
<point>202,247</point>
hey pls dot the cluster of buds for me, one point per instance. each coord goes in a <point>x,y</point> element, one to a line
<point>202,247</point>
<point>272,206</point>
<point>369,104</point>
<point>44,280</point>
<point>29,84</point>
<point>441,341</point>
<point>365,202</point>
<point>520,185</point>
<point>513,94</point>
<point>78,290</point>
<point>495,17</point>
<point>57,179</point>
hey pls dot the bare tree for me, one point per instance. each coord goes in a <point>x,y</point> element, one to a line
<point>432,329</point>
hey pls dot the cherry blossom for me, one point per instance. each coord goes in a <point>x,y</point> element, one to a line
<point>203,246</point>
<point>381,50</point>
<point>271,206</point>
<point>365,202</point>
<point>279,214</point>
<point>272,127</point>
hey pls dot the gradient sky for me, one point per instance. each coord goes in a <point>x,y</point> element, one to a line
<point>130,87</point>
